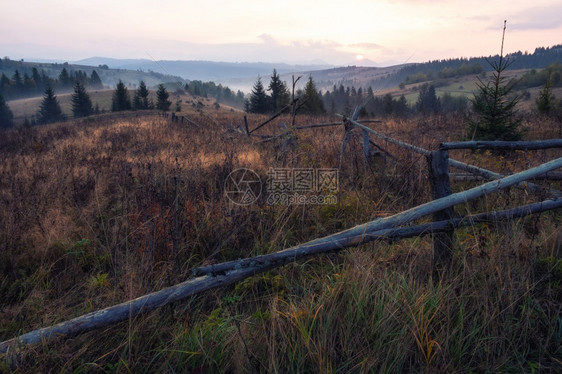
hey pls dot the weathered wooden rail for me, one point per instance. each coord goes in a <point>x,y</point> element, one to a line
<point>223,274</point>
<point>178,118</point>
<point>438,164</point>
<point>487,174</point>
<point>504,145</point>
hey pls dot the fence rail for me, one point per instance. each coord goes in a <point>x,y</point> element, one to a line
<point>504,145</point>
<point>488,174</point>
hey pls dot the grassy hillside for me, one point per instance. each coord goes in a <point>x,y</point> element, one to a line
<point>99,211</point>
<point>109,77</point>
<point>467,86</point>
<point>28,108</point>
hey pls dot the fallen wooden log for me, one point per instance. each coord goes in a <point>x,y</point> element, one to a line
<point>190,121</point>
<point>390,234</point>
<point>315,125</point>
<point>471,177</point>
<point>419,150</point>
<point>223,274</point>
<point>504,145</point>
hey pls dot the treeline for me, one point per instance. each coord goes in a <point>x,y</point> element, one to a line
<point>536,78</point>
<point>50,110</point>
<point>222,94</point>
<point>542,57</point>
<point>446,72</point>
<point>34,83</point>
<point>342,100</point>
<point>260,101</point>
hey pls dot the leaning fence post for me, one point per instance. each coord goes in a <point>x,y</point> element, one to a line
<point>438,162</point>
<point>348,128</point>
<point>246,126</point>
<point>366,146</point>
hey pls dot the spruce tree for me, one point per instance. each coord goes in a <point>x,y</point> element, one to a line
<point>312,100</point>
<point>280,95</point>
<point>428,102</point>
<point>18,83</point>
<point>401,108</point>
<point>258,102</point>
<point>95,81</point>
<point>5,85</point>
<point>50,110</point>
<point>64,78</point>
<point>546,101</point>
<point>6,115</point>
<point>81,103</point>
<point>388,104</point>
<point>29,85</point>
<point>141,100</point>
<point>370,103</point>
<point>39,84</point>
<point>495,114</point>
<point>162,95</point>
<point>120,100</point>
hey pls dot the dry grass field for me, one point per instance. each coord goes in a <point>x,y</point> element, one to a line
<point>102,210</point>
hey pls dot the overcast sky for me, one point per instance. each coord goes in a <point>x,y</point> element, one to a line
<point>294,31</point>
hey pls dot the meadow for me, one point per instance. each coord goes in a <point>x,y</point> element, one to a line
<point>26,109</point>
<point>102,210</point>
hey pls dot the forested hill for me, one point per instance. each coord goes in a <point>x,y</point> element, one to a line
<point>24,79</point>
<point>19,79</point>
<point>392,76</point>
<point>540,58</point>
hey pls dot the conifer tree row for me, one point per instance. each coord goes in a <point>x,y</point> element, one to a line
<point>260,102</point>
<point>24,85</point>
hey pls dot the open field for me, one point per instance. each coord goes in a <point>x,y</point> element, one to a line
<point>102,210</point>
<point>28,108</point>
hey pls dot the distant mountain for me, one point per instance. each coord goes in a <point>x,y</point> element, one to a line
<point>242,75</point>
<point>202,70</point>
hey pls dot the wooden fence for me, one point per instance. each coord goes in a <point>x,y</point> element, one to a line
<point>388,228</point>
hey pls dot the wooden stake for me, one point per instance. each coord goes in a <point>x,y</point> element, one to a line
<point>438,162</point>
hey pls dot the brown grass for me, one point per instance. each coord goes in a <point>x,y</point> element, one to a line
<point>100,211</point>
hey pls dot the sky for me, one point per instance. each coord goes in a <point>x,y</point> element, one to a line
<point>361,32</point>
